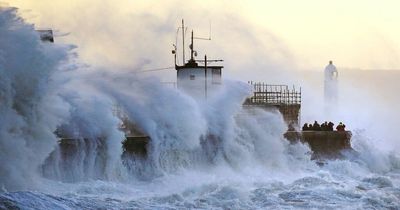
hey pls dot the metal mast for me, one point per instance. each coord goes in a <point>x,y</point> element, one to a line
<point>191,48</point>
<point>183,42</point>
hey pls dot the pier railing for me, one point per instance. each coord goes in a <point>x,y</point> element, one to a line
<point>273,94</point>
<point>286,100</point>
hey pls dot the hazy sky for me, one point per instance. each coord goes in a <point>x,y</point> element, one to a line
<point>271,34</point>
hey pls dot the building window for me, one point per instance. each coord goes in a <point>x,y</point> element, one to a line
<point>192,77</point>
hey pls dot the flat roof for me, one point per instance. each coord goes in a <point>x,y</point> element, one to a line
<point>196,67</point>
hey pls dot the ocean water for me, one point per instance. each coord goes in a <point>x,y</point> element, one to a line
<point>249,166</point>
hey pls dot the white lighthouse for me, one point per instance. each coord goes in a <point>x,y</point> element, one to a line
<point>196,77</point>
<point>330,88</point>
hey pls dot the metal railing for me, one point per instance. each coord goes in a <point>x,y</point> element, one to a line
<point>273,94</point>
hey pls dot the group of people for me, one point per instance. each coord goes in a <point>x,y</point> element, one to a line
<point>326,126</point>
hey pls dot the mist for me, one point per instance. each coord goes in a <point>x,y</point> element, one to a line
<point>366,102</point>
<point>144,35</point>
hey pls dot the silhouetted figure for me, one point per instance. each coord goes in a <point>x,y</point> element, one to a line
<point>340,127</point>
<point>324,126</point>
<point>316,126</point>
<point>330,126</point>
<point>305,127</point>
<point>310,127</point>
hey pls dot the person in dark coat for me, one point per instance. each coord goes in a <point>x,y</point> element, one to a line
<point>340,127</point>
<point>305,127</point>
<point>324,126</point>
<point>316,126</point>
<point>330,126</point>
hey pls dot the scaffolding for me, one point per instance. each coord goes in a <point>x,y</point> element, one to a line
<point>286,100</point>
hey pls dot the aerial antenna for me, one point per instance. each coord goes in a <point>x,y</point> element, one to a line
<point>175,50</point>
<point>199,38</point>
<point>193,52</point>
<point>191,49</point>
<point>209,32</point>
<point>209,35</point>
<point>183,42</point>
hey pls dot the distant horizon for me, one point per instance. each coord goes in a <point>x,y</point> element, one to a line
<point>352,69</point>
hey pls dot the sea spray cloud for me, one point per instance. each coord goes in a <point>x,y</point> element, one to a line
<point>179,125</point>
<point>26,128</point>
<point>220,110</point>
<point>249,136</point>
<point>80,103</point>
<point>171,119</point>
<point>39,95</point>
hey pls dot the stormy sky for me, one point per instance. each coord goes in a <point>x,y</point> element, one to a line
<point>250,35</point>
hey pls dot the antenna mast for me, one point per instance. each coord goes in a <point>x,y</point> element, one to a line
<point>191,48</point>
<point>183,42</point>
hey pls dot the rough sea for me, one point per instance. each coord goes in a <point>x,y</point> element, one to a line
<point>249,166</point>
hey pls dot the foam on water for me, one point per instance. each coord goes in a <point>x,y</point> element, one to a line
<point>247,166</point>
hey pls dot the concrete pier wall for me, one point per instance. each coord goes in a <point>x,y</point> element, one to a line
<point>328,144</point>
